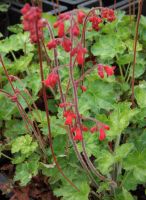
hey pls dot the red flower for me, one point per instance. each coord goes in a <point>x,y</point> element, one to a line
<point>32,22</point>
<point>61,29</point>
<point>84,128</point>
<point>102,134</point>
<point>69,115</point>
<point>64,16</point>
<point>81,15</point>
<point>78,135</point>
<point>83,88</point>
<point>108,14</point>
<point>100,71</point>
<point>51,80</point>
<point>80,51</point>
<point>80,55</point>
<point>109,70</point>
<point>25,9</point>
<point>75,30</point>
<point>67,44</point>
<point>63,105</point>
<point>52,44</point>
<point>68,120</point>
<point>56,24</point>
<point>106,127</point>
<point>94,129</point>
<point>66,113</point>
<point>73,129</point>
<point>95,22</point>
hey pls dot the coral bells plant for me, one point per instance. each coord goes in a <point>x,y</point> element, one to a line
<point>78,125</point>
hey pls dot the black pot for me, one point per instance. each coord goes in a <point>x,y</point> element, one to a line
<point>89,4</point>
<point>144,8</point>
<point>72,4</point>
<point>49,7</point>
<point>125,6</point>
<point>107,3</point>
<point>122,5</point>
<point>4,23</point>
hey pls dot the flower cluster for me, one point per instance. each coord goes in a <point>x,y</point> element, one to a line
<point>78,132</point>
<point>33,22</point>
<point>80,52</point>
<point>95,22</point>
<point>101,128</point>
<point>105,68</point>
<point>81,16</point>
<point>108,14</point>
<point>69,115</point>
<point>51,80</point>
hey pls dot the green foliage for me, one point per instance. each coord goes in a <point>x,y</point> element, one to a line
<point>69,193</point>
<point>140,94</point>
<point>108,47</point>
<point>26,145</point>
<point>123,151</point>
<point>105,161</point>
<point>120,118</point>
<point>26,170</point>
<point>4,7</point>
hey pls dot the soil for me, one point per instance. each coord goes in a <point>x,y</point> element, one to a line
<point>38,189</point>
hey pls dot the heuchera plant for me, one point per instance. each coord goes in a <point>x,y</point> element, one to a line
<point>98,129</point>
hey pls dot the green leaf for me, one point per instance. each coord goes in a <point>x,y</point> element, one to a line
<point>21,64</point>
<point>143,21</point>
<point>140,94</point>
<point>69,193</point>
<point>138,165</point>
<point>120,118</point>
<point>25,171</point>
<point>105,160</point>
<point>7,108</point>
<point>140,67</point>
<point>92,144</point>
<point>15,128</point>
<point>24,144</point>
<point>123,151</point>
<point>127,195</point>
<point>17,28</point>
<point>16,42</point>
<point>108,47</point>
<point>95,97</point>
<point>129,182</point>
<point>4,7</point>
<point>129,43</point>
<point>125,59</point>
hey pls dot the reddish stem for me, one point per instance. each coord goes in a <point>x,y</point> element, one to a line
<point>63,100</point>
<point>135,48</point>
<point>48,117</point>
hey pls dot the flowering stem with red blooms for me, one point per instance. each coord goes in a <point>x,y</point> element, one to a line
<point>47,115</point>
<point>140,3</point>
<point>21,110</point>
<point>91,166</point>
<point>84,29</point>
<point>33,23</point>
<point>28,123</point>
<point>63,101</point>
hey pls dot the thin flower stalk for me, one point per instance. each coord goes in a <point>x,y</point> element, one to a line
<point>63,101</point>
<point>140,3</point>
<point>48,118</point>
<point>78,116</point>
